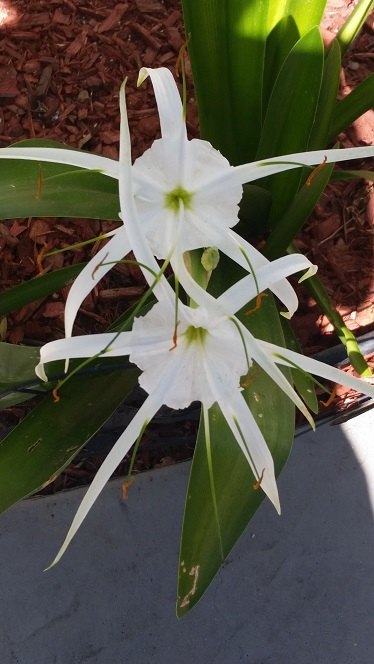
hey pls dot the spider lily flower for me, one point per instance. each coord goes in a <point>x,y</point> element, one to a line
<point>189,362</point>
<point>186,196</point>
<point>185,192</point>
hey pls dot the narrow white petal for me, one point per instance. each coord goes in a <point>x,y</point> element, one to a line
<point>267,276</point>
<point>246,432</point>
<point>265,360</point>
<point>85,160</point>
<point>83,347</point>
<point>168,100</point>
<point>115,456</point>
<point>319,369</point>
<point>234,246</point>
<point>260,169</point>
<point>143,254</point>
<point>159,396</point>
<point>282,289</point>
<point>98,266</point>
<point>257,453</point>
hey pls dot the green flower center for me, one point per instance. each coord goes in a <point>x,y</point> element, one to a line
<point>174,199</point>
<point>196,334</point>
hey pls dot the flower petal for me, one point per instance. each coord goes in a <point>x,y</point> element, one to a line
<point>98,266</point>
<point>260,169</point>
<point>169,103</point>
<point>318,368</point>
<point>265,360</point>
<point>142,252</point>
<point>115,456</point>
<point>113,344</point>
<point>267,277</point>
<point>61,156</point>
<point>246,432</point>
<point>239,250</point>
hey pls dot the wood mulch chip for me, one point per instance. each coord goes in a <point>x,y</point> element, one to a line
<point>61,65</point>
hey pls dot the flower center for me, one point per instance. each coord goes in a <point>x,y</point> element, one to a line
<point>195,334</point>
<point>174,199</point>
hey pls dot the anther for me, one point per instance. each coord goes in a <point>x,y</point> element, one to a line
<point>39,259</point>
<point>56,396</point>
<point>257,484</point>
<point>315,171</point>
<point>331,398</point>
<point>174,337</point>
<point>259,299</point>
<point>99,265</point>
<point>125,487</point>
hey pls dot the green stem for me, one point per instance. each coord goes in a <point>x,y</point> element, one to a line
<point>316,289</point>
<point>196,269</point>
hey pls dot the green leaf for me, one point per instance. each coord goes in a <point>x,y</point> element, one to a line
<point>37,288</point>
<point>289,224</point>
<point>227,50</point>
<point>327,98</point>
<point>360,100</point>
<point>290,115</point>
<point>41,189</point>
<point>43,444</point>
<point>305,14</point>
<point>254,210</point>
<point>351,175</point>
<point>17,369</point>
<point>279,43</point>
<point>349,31</point>
<point>212,525</point>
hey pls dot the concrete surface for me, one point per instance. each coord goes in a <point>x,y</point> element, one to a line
<point>296,589</point>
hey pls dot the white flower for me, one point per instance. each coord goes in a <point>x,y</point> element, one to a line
<point>183,353</point>
<point>185,192</point>
<point>188,362</point>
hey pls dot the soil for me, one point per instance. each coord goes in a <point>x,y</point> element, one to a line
<point>61,66</point>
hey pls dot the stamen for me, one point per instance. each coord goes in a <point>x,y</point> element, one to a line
<point>129,480</point>
<point>39,259</point>
<point>248,380</point>
<point>315,171</point>
<point>180,62</point>
<point>176,321</point>
<point>251,269</point>
<point>175,336</point>
<point>181,55</point>
<point>257,484</point>
<point>259,299</point>
<point>99,265</point>
<point>56,397</point>
<point>331,398</point>
<point>247,358</point>
<point>78,245</point>
<point>125,486</point>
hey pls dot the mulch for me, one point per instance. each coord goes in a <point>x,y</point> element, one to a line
<point>61,66</point>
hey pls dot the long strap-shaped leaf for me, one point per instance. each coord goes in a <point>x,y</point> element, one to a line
<point>228,49</point>
<point>42,445</point>
<point>39,189</point>
<point>290,114</point>
<point>37,288</point>
<point>353,24</point>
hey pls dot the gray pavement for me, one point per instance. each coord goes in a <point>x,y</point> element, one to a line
<point>297,589</point>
